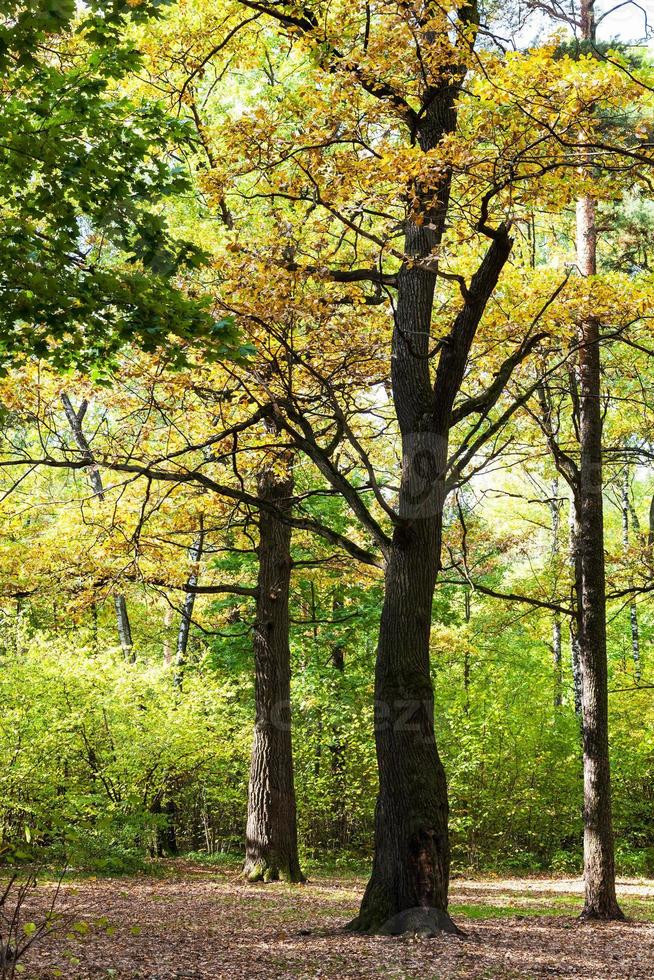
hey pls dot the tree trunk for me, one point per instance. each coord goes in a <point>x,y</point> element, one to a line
<point>338,746</point>
<point>167,650</point>
<point>195,556</point>
<point>555,508</point>
<point>575,620</point>
<point>120,605</point>
<point>124,627</point>
<point>410,877</point>
<point>556,657</point>
<point>412,855</point>
<point>165,841</point>
<point>271,846</point>
<point>599,863</point>
<point>633,611</point>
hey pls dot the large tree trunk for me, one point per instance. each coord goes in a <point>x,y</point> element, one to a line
<point>412,855</point>
<point>410,877</point>
<point>409,884</point>
<point>271,847</point>
<point>599,864</point>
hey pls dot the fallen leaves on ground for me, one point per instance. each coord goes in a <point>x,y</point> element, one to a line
<point>210,925</point>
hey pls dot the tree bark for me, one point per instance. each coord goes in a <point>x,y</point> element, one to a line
<point>165,840</point>
<point>271,833</point>
<point>599,861</point>
<point>412,854</point>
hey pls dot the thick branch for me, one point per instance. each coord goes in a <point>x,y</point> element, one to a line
<point>456,347</point>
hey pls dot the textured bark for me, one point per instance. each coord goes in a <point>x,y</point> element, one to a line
<point>412,855</point>
<point>271,846</point>
<point>75,418</point>
<point>599,863</point>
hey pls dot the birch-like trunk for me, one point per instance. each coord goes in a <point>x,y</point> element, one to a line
<point>75,419</point>
<point>195,556</point>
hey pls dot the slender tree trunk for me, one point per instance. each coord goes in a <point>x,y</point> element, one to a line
<point>167,649</point>
<point>557,660</point>
<point>555,508</point>
<point>633,611</point>
<point>338,745</point>
<point>165,842</point>
<point>75,419</point>
<point>271,834</point>
<point>575,621</point>
<point>599,861</point>
<point>124,627</point>
<point>195,556</point>
<point>467,611</point>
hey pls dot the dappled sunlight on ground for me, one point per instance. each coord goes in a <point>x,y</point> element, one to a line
<point>197,922</point>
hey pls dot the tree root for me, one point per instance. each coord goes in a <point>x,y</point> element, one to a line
<point>425,923</point>
<point>261,871</point>
<point>612,914</point>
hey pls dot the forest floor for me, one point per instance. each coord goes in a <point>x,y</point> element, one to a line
<point>196,922</point>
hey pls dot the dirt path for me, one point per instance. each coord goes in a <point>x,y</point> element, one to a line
<point>208,925</point>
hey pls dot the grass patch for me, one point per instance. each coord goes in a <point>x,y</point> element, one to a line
<point>481,911</point>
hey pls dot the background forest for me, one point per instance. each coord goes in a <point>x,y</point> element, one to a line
<point>203,206</point>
